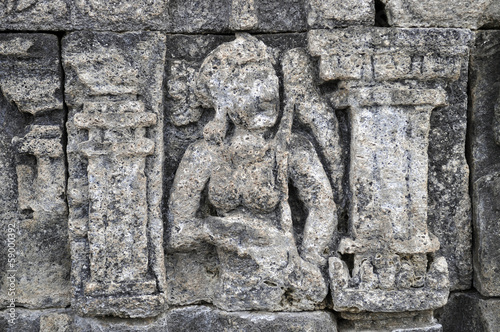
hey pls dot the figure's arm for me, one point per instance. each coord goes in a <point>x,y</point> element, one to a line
<point>314,190</point>
<point>190,179</point>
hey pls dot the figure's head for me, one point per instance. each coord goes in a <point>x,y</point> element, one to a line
<point>238,79</point>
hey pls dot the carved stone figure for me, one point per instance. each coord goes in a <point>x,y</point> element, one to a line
<point>231,188</point>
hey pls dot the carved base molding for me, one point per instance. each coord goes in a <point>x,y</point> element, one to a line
<point>417,321</point>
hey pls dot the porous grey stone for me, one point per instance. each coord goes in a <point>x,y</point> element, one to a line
<point>242,177</point>
<point>389,322</point>
<point>35,260</point>
<point>237,15</point>
<point>115,149</point>
<point>119,15</point>
<point>193,275</point>
<point>376,59</point>
<point>204,318</point>
<point>472,14</point>
<point>466,312</point>
<point>449,215</point>
<point>87,324</point>
<point>485,161</point>
<point>340,13</point>
<point>35,14</point>
<point>48,320</point>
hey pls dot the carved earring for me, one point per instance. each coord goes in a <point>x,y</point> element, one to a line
<point>215,130</point>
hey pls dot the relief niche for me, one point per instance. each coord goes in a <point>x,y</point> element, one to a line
<point>231,189</point>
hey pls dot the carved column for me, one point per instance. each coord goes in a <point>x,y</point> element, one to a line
<point>387,274</point>
<point>33,211</point>
<point>115,147</point>
<point>116,152</point>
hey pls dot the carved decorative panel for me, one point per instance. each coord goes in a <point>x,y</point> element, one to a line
<point>115,149</point>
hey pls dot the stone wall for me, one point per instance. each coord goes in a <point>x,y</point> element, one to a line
<point>260,165</point>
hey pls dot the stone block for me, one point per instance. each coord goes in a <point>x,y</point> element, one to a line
<point>35,14</point>
<point>485,157</point>
<point>208,257</point>
<point>115,149</point>
<point>203,318</point>
<point>339,13</point>
<point>237,15</point>
<point>119,15</point>
<point>47,320</point>
<point>35,261</point>
<point>471,14</point>
<point>470,311</point>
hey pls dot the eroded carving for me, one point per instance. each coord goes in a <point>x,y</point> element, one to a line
<point>32,164</point>
<point>388,262</point>
<point>115,172</point>
<point>244,173</point>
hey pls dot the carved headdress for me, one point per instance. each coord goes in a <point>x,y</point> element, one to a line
<point>219,75</point>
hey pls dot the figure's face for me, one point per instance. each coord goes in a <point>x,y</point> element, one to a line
<point>252,96</point>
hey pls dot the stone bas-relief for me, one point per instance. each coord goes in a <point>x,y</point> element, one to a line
<point>33,209</point>
<point>115,149</point>
<point>301,180</point>
<point>389,262</point>
<point>472,14</point>
<point>244,174</point>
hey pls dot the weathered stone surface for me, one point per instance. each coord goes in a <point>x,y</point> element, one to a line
<point>35,14</point>
<point>340,13</point>
<point>382,54</point>
<point>115,149</point>
<point>203,318</point>
<point>393,322</point>
<point>190,318</point>
<point>242,176</point>
<point>35,254</point>
<point>31,75</point>
<point>472,14</point>
<point>374,59</point>
<point>449,211</point>
<point>469,311</point>
<point>48,320</point>
<point>119,15</point>
<point>485,157</point>
<point>236,15</point>
<point>193,275</point>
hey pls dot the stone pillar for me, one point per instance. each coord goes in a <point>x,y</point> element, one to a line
<point>115,143</point>
<point>388,263</point>
<point>388,274</point>
<point>116,152</point>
